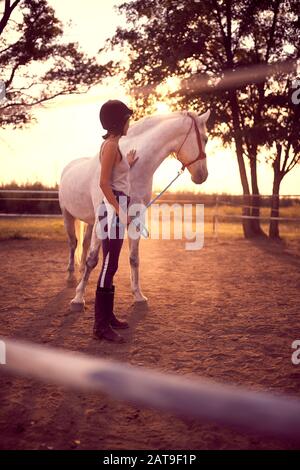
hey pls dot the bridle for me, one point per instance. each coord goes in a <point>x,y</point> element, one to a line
<point>201,155</point>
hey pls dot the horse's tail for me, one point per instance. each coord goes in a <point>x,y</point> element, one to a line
<point>79,231</point>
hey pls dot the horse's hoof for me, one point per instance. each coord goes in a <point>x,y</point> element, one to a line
<point>76,306</point>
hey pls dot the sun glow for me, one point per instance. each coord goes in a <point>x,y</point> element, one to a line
<point>173,83</point>
<point>170,85</point>
<point>162,108</point>
<point>163,102</point>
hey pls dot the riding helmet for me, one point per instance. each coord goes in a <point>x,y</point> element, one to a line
<point>114,114</point>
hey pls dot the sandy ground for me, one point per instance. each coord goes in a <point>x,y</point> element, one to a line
<point>229,312</point>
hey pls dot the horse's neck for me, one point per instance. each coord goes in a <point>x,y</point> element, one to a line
<point>153,146</point>
<point>165,138</point>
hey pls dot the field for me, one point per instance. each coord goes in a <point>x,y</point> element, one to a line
<point>229,312</point>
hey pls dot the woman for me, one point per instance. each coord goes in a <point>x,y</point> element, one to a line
<point>114,182</point>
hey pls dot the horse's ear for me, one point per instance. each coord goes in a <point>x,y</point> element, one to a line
<point>205,116</point>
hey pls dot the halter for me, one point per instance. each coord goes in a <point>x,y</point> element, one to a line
<point>201,155</point>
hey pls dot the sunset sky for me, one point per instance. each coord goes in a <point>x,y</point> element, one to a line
<point>69,128</point>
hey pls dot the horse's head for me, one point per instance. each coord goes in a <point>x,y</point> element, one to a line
<point>192,152</point>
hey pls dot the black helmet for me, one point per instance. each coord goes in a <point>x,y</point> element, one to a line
<point>114,114</point>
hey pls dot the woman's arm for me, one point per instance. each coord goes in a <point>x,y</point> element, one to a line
<point>108,159</point>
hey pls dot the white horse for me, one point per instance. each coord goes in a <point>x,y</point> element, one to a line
<point>154,138</point>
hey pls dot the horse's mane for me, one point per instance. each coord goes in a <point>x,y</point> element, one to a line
<point>148,122</point>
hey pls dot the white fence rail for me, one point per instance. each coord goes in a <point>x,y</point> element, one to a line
<point>265,414</point>
<point>217,216</point>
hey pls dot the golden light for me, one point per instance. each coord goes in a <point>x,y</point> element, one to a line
<point>164,102</point>
<point>170,85</point>
<point>162,108</point>
<point>173,84</point>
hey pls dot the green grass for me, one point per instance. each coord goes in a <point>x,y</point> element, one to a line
<point>32,228</point>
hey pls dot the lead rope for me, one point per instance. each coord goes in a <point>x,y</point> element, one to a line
<point>136,221</point>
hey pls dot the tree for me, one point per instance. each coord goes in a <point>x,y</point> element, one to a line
<point>36,65</point>
<point>282,120</point>
<point>205,42</point>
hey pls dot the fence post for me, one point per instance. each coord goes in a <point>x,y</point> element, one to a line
<point>215,218</point>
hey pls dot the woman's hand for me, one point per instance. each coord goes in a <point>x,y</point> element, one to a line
<point>131,158</point>
<point>125,219</point>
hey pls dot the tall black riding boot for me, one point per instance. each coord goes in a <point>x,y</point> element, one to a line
<point>103,313</point>
<point>115,322</point>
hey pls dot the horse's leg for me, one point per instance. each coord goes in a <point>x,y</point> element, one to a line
<point>134,267</point>
<point>85,247</point>
<point>69,223</point>
<point>77,304</point>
